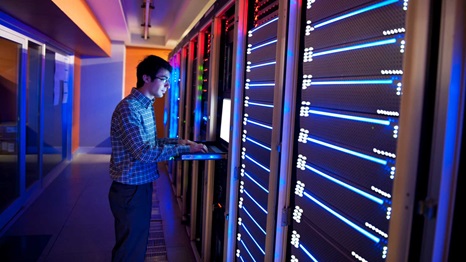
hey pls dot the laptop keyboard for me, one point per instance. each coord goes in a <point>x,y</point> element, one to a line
<point>214,149</point>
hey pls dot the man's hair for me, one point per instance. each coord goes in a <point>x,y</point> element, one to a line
<point>150,66</point>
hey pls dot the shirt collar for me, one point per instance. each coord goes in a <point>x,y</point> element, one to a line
<point>144,100</point>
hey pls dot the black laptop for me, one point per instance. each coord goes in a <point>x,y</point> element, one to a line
<point>215,149</point>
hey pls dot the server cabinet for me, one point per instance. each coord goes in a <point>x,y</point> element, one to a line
<point>348,100</point>
<point>200,100</point>
<point>215,176</point>
<point>172,98</point>
<point>256,168</point>
<point>186,128</point>
<point>440,237</point>
<point>183,57</point>
<point>205,43</point>
<point>171,116</point>
<point>202,183</point>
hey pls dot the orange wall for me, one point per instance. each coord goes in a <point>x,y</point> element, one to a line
<point>8,80</point>
<point>134,55</point>
<point>76,104</point>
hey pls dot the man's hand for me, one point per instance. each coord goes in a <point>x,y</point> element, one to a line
<point>186,142</point>
<point>194,147</point>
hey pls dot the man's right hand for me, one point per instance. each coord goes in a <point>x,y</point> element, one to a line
<point>194,147</point>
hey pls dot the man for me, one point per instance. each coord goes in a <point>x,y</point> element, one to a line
<point>135,153</point>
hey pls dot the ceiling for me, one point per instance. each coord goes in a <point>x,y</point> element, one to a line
<point>121,20</point>
<point>170,20</point>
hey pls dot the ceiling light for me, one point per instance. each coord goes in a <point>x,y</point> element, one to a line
<point>146,7</point>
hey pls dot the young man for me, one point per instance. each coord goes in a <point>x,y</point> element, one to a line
<point>135,153</point>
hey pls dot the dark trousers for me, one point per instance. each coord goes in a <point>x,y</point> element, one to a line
<point>131,206</point>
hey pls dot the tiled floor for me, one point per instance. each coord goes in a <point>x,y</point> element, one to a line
<point>71,220</point>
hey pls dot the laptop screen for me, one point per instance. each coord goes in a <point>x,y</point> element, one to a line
<point>225,120</point>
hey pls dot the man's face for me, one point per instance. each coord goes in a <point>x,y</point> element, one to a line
<point>160,85</point>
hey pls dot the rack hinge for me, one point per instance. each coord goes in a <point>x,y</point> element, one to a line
<point>286,216</point>
<point>428,208</point>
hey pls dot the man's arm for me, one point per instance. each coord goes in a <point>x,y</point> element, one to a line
<point>132,140</point>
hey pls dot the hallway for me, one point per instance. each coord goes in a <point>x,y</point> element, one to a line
<point>71,220</point>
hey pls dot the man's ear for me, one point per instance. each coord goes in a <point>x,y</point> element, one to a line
<point>146,78</point>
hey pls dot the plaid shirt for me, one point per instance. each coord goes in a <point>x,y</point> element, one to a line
<point>135,147</point>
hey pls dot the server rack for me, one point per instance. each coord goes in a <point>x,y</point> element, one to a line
<point>345,149</point>
<point>347,130</point>
<point>347,102</point>
<point>172,114</point>
<point>191,129</point>
<point>184,168</point>
<point>438,233</point>
<point>205,39</point>
<point>200,100</point>
<point>203,182</point>
<point>220,79</point>
<point>256,168</point>
<point>172,98</point>
<point>179,188</point>
<point>210,176</point>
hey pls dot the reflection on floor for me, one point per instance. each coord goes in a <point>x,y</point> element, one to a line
<point>9,178</point>
<point>71,220</point>
<point>23,248</point>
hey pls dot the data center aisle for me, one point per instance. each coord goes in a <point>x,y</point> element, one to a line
<point>71,220</point>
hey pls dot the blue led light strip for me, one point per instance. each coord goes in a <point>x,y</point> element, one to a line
<point>264,64</point>
<point>351,152</point>
<point>259,27</point>
<point>259,124</point>
<point>257,163</point>
<point>308,253</point>
<point>365,9</point>
<point>257,244</point>
<point>253,220</point>
<point>262,45</point>
<point>257,183</point>
<point>345,220</point>
<point>354,118</point>
<point>247,250</point>
<point>241,258</point>
<point>354,82</point>
<point>354,47</point>
<point>259,144</point>
<point>263,209</point>
<point>336,181</point>
<point>202,157</point>
<point>259,104</point>
<point>263,84</point>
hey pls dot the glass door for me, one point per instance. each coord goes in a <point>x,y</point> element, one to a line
<point>10,60</point>
<point>33,97</point>
<point>55,86</point>
<point>34,110</point>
